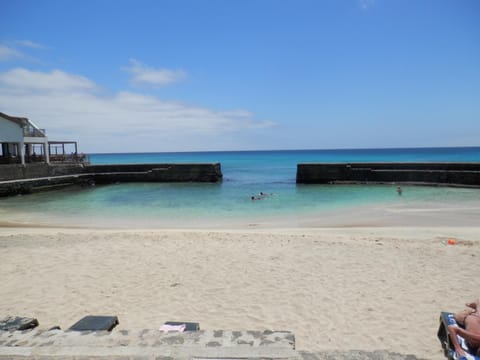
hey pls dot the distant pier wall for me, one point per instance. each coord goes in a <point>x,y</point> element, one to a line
<point>18,179</point>
<point>155,173</point>
<point>447,174</point>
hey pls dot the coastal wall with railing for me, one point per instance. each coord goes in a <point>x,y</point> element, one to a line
<point>448,174</point>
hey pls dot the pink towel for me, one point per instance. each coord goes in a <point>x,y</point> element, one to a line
<point>167,328</point>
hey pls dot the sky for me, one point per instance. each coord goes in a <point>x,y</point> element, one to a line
<point>215,75</point>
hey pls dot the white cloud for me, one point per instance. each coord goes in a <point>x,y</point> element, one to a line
<point>71,107</point>
<point>22,80</point>
<point>29,44</point>
<point>9,50</point>
<point>366,4</point>
<point>7,53</point>
<point>146,75</point>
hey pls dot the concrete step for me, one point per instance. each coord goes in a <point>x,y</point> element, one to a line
<point>147,344</point>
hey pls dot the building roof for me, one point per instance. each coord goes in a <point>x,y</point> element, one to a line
<point>17,120</point>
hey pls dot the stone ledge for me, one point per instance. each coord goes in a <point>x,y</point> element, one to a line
<point>147,337</point>
<point>145,355</point>
<point>173,352</point>
<point>355,355</point>
<point>153,345</point>
<point>147,344</point>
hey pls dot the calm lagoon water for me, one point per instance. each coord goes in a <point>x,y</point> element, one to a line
<point>245,174</point>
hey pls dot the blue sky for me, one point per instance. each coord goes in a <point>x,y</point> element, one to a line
<point>244,74</point>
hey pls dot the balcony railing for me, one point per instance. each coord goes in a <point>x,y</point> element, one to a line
<point>31,131</point>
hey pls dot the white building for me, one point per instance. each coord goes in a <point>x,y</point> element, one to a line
<point>22,141</point>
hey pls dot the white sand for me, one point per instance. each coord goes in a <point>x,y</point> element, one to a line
<point>364,288</point>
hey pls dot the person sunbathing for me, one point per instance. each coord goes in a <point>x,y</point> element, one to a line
<point>470,320</point>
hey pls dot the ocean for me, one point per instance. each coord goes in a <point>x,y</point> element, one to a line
<point>245,174</point>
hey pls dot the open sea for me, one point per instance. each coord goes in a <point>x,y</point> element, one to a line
<point>245,174</point>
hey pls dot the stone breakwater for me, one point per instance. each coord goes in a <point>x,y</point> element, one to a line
<point>192,172</point>
<point>24,180</point>
<point>154,345</point>
<point>445,174</point>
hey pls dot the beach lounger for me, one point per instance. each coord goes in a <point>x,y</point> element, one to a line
<point>189,326</point>
<point>95,323</point>
<point>17,323</point>
<point>443,334</point>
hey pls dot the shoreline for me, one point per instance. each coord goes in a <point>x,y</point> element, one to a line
<point>411,214</point>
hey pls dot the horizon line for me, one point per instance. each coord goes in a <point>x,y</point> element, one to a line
<point>282,150</point>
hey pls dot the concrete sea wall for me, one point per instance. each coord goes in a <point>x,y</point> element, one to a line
<point>38,170</point>
<point>155,172</point>
<point>450,174</point>
<point>18,179</point>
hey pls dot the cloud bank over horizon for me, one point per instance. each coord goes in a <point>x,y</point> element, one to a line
<point>73,107</point>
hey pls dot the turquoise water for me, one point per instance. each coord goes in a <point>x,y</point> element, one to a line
<point>245,174</point>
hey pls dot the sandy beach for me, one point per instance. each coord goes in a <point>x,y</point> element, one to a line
<point>365,288</point>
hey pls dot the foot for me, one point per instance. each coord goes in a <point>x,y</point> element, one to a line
<point>473,305</point>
